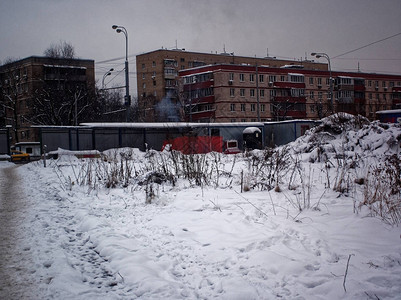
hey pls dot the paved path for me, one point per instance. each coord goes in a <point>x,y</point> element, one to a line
<point>17,268</point>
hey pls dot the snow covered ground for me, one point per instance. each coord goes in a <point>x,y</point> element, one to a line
<point>232,234</point>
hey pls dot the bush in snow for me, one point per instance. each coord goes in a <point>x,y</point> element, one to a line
<point>382,192</point>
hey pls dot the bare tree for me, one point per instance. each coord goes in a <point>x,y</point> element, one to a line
<point>60,50</point>
<point>9,98</point>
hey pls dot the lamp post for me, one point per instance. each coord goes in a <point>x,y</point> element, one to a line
<point>319,55</point>
<point>105,75</point>
<point>127,98</point>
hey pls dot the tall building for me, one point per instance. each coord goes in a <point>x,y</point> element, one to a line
<point>22,81</point>
<point>244,93</point>
<point>157,76</point>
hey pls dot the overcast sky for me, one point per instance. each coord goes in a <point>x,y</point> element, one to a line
<point>282,28</point>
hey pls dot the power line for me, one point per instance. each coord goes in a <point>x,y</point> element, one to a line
<point>114,59</point>
<point>370,44</point>
<point>357,58</point>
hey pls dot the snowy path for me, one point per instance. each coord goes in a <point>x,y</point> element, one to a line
<point>17,270</point>
<point>44,254</point>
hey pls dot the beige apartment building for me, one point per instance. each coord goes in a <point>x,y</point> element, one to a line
<point>246,93</point>
<point>157,74</point>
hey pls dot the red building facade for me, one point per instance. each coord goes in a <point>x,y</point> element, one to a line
<point>246,93</point>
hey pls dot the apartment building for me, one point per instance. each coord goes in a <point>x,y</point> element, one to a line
<point>21,80</point>
<point>244,93</point>
<point>157,74</point>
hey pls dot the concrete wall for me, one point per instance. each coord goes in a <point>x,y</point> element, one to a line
<point>281,133</point>
<point>104,138</point>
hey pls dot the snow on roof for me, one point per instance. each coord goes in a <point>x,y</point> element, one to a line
<point>296,74</point>
<point>64,66</point>
<point>200,73</point>
<point>390,111</point>
<point>292,67</point>
<point>251,130</point>
<point>169,125</point>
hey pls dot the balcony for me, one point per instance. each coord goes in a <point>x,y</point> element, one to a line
<point>170,73</point>
<point>58,77</point>
<point>286,84</point>
<point>290,99</point>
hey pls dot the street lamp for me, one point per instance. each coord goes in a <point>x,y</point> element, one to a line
<point>319,55</point>
<point>127,98</point>
<point>105,75</point>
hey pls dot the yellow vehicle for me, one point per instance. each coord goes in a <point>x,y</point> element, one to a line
<point>17,155</point>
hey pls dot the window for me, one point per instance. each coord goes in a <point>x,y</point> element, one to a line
<point>262,107</point>
<point>252,93</point>
<point>242,92</point>
<point>282,78</point>
<point>231,76</point>
<point>272,78</point>
<point>232,92</point>
<point>312,94</point>
<point>243,108</point>
<point>251,77</point>
<point>311,80</point>
<point>241,77</point>
<point>261,93</point>
<point>253,107</point>
<point>320,95</point>
<point>261,78</point>
<point>344,80</point>
<point>143,66</point>
<point>170,62</point>
<point>143,75</point>
<point>296,78</point>
<point>370,83</point>
<point>297,92</point>
<point>153,64</point>
<point>232,107</point>
<point>319,81</point>
<point>273,93</point>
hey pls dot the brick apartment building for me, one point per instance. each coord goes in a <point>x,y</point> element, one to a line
<point>243,93</point>
<point>157,73</point>
<point>20,80</point>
